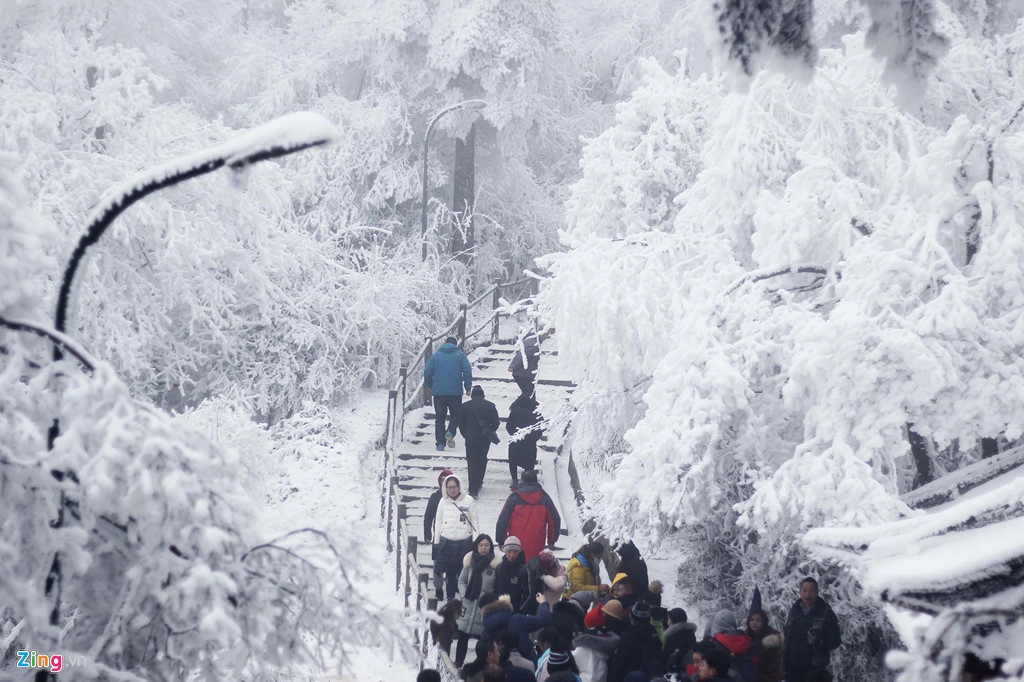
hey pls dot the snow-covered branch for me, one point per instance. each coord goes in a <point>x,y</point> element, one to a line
<point>762,275</point>
<point>55,337</point>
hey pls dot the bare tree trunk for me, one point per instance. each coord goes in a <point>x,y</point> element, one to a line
<point>463,239</point>
<point>922,458</point>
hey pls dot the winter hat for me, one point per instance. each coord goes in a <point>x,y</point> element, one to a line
<point>618,577</point>
<point>654,593</point>
<point>724,621</point>
<point>548,564</point>
<point>641,611</point>
<point>511,542</point>
<point>558,660</point>
<point>445,473</point>
<point>585,599</point>
<point>488,598</point>
<point>613,608</point>
<point>477,391</point>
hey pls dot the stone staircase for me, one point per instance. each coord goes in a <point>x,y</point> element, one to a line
<point>418,463</point>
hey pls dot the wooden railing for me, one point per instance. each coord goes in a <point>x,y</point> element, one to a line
<point>409,394</point>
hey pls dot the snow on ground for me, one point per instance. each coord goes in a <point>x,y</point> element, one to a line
<point>328,478</point>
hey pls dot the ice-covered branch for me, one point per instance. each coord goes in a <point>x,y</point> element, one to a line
<point>58,339</point>
<point>761,275</point>
<point>286,135</point>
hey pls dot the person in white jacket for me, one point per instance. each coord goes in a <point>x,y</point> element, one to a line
<point>455,525</point>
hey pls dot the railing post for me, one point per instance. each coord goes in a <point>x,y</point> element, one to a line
<point>422,585</point>
<point>495,302</point>
<point>393,417</point>
<point>392,484</point>
<point>460,330</point>
<point>402,555</point>
<point>400,413</point>
<point>427,352</point>
<point>410,551</point>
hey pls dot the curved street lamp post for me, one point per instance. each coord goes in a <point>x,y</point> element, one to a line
<point>468,104</point>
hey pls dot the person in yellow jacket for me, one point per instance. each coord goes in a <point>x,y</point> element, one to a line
<point>585,570</point>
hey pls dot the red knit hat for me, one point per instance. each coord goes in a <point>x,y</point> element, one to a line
<point>445,473</point>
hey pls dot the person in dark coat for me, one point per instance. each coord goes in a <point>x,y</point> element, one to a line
<point>811,635</point>
<point>522,453</point>
<point>714,666</point>
<point>498,618</point>
<point>567,617</point>
<point>446,373</point>
<point>475,415</point>
<point>680,637</point>
<point>529,514</point>
<point>512,578</point>
<point>428,530</point>
<point>527,358</point>
<point>633,565</point>
<point>634,647</point>
<point>765,647</point>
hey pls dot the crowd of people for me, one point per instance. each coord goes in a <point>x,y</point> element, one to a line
<point>534,620</point>
<point>542,622</point>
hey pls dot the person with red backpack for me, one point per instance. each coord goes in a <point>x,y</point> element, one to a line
<point>728,638</point>
<point>530,515</point>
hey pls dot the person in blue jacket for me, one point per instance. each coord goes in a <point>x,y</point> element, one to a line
<point>446,374</point>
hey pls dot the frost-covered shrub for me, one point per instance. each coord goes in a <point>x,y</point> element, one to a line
<point>163,570</point>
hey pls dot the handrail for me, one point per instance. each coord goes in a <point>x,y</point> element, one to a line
<point>400,402</point>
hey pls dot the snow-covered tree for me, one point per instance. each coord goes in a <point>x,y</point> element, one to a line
<point>749,356</point>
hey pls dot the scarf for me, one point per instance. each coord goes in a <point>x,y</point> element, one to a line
<point>595,570</point>
<point>478,565</point>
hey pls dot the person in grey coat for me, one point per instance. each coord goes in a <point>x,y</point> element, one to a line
<point>479,567</point>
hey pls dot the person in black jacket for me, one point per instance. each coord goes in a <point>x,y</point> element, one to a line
<point>428,529</point>
<point>527,358</point>
<point>522,452</point>
<point>512,578</point>
<point>475,416</point>
<point>631,563</point>
<point>811,634</point>
<point>679,639</point>
<point>639,648</point>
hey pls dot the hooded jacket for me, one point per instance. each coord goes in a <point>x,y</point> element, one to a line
<point>679,639</point>
<point>456,519</point>
<point>447,371</point>
<point>498,617</point>
<point>581,575</point>
<point>591,649</point>
<point>634,566</point>
<point>530,515</point>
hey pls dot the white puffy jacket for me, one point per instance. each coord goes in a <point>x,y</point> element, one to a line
<point>448,523</point>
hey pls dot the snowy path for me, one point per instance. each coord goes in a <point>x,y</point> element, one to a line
<point>418,462</point>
